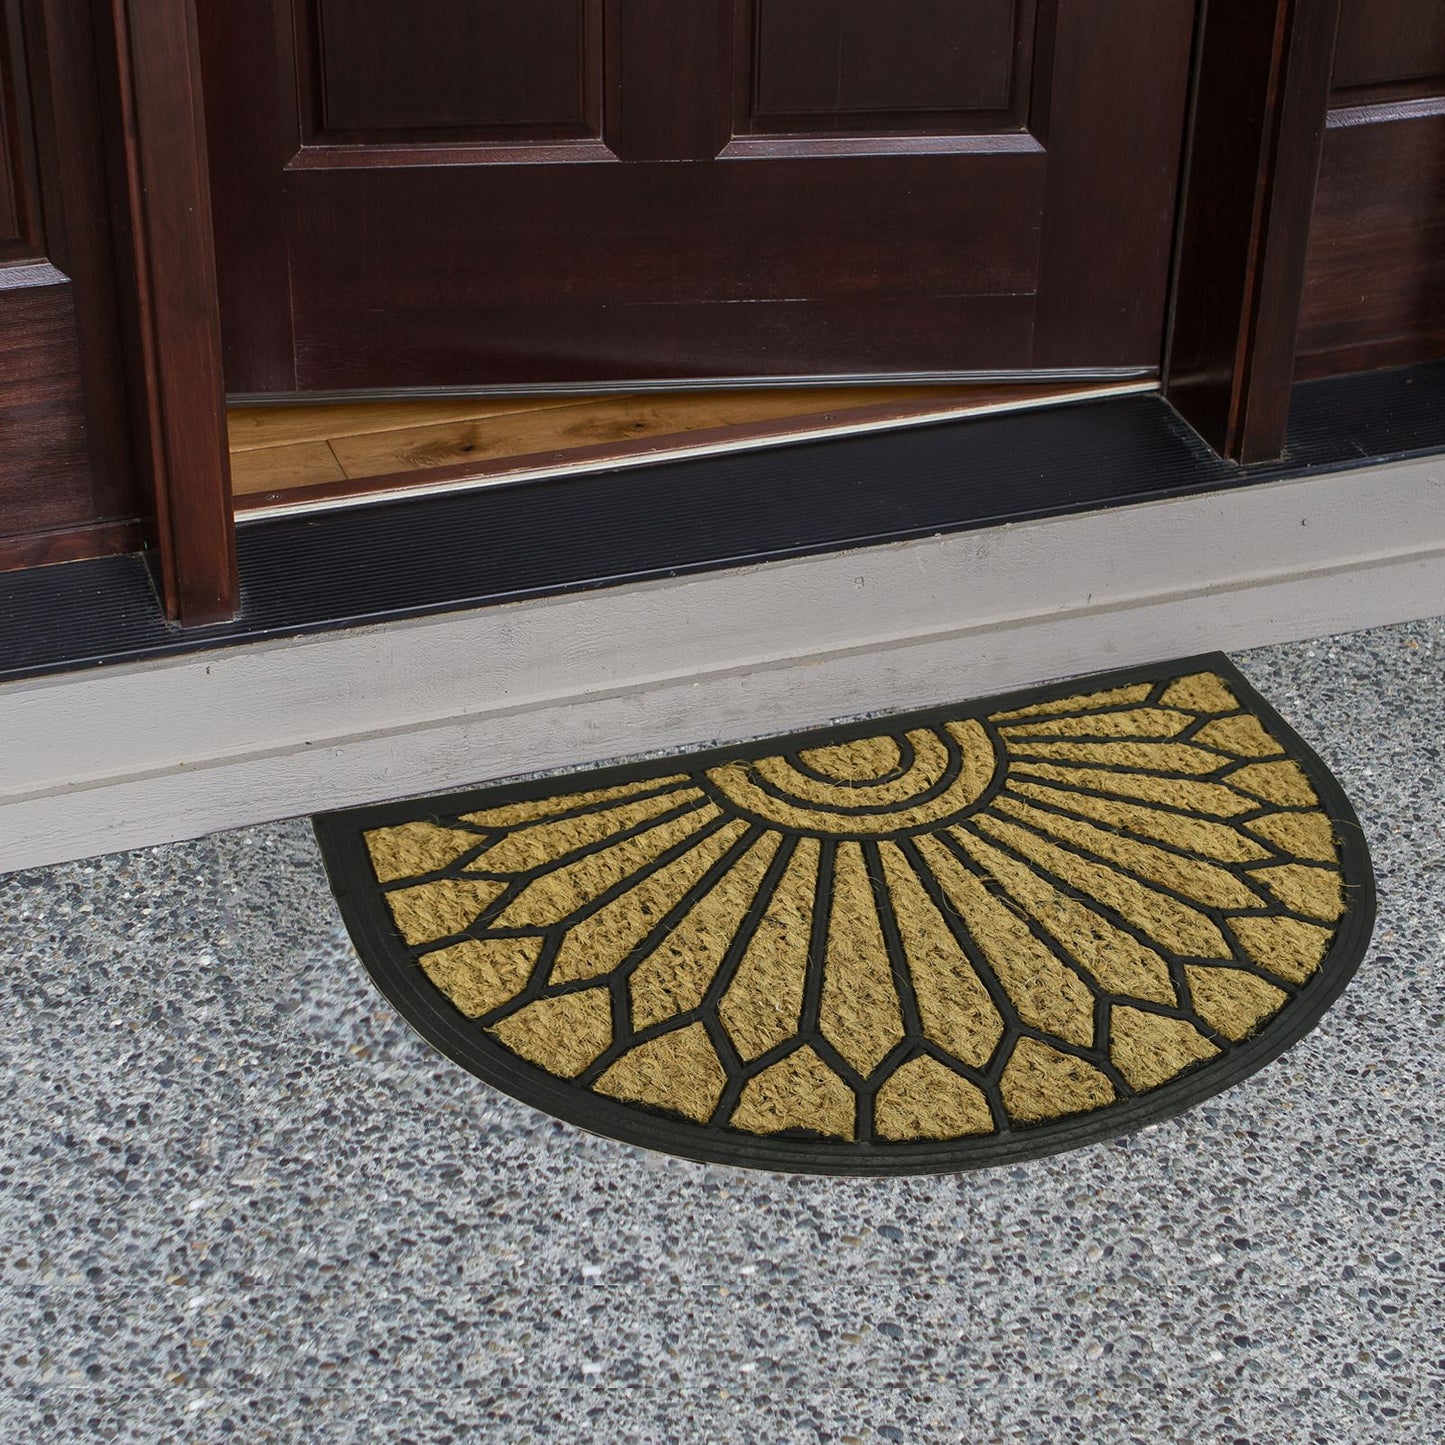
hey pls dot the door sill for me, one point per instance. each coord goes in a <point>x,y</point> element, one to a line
<point>480,548</point>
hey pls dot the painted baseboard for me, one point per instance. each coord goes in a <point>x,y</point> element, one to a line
<point>130,755</point>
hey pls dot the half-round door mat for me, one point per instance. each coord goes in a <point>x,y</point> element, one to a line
<point>956,938</point>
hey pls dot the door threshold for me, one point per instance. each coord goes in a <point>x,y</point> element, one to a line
<point>477,549</point>
<point>301,459</point>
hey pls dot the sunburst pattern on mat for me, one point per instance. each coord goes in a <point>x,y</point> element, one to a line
<point>952,931</point>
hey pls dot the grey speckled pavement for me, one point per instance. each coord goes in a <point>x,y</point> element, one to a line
<point>240,1200</point>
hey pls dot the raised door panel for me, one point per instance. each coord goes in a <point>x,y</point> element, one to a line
<point>505,69</point>
<point>1388,43</point>
<point>1375,280</point>
<point>852,65</point>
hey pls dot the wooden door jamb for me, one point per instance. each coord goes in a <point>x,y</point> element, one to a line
<point>1251,164</point>
<point>169,275</point>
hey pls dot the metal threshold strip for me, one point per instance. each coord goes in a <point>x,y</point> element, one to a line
<point>923,378</point>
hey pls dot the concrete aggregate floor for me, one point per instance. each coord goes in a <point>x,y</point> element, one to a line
<point>239,1200</point>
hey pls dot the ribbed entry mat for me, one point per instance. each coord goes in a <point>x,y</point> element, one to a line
<point>932,942</point>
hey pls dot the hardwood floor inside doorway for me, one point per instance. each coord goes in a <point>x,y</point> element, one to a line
<point>328,452</point>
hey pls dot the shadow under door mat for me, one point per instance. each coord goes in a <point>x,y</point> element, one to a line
<point>927,942</point>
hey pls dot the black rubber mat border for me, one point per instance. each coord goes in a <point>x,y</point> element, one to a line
<point>395,973</point>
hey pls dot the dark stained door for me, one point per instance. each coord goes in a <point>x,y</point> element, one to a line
<point>533,192</point>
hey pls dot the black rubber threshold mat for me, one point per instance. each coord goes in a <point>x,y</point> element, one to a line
<point>929,942</point>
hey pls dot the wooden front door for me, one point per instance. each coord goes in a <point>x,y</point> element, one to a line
<point>535,192</point>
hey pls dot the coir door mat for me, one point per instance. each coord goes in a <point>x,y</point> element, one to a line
<point>956,938</point>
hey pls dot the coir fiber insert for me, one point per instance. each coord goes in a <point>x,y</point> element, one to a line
<point>930,942</point>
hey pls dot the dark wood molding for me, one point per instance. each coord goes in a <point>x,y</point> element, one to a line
<point>174,321</point>
<point>69,544</point>
<point>1262,79</point>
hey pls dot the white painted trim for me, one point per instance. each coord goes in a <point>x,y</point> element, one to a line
<point>124,756</point>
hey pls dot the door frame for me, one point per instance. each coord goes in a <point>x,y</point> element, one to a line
<point>1228,363</point>
<point>1255,134</point>
<point>169,303</point>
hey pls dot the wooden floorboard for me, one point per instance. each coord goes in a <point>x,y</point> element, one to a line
<point>257,427</point>
<point>306,453</point>
<point>280,468</point>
